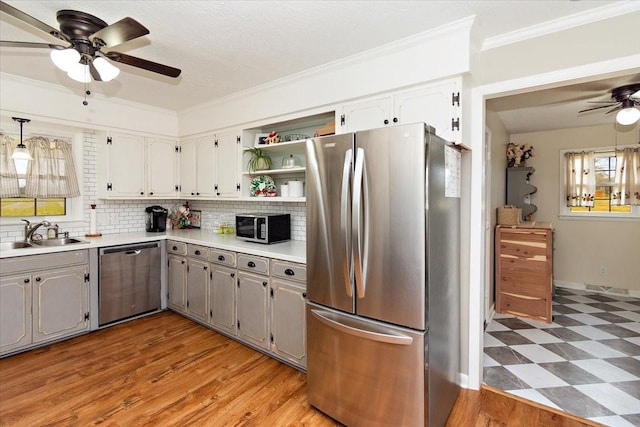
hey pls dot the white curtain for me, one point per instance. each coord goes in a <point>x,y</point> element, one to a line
<point>580,179</point>
<point>8,176</point>
<point>52,172</point>
<point>626,190</point>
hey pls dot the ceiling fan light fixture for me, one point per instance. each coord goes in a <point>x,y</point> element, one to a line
<point>80,73</point>
<point>65,59</point>
<point>107,70</point>
<point>628,116</point>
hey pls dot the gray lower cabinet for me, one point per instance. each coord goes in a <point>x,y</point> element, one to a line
<point>253,309</point>
<point>198,279</point>
<point>43,298</point>
<point>288,327</point>
<point>177,282</point>
<point>223,299</point>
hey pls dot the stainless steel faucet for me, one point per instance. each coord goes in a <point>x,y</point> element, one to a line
<point>30,229</point>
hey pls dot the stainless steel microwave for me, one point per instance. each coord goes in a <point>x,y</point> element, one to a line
<point>263,228</point>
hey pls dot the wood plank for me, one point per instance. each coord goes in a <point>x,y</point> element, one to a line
<point>166,370</point>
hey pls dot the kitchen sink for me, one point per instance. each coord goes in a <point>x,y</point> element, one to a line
<point>14,245</point>
<point>58,242</point>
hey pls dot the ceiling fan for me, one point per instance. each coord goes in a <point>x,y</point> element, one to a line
<point>626,100</point>
<point>85,36</point>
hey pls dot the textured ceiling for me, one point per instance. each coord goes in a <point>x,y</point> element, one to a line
<point>225,47</point>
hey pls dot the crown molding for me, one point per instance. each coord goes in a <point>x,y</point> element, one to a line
<point>560,24</point>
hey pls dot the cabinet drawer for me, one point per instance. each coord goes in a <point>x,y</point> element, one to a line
<point>43,262</point>
<point>177,248</point>
<point>197,251</point>
<point>527,306</point>
<point>289,270</point>
<point>253,263</point>
<point>218,256</point>
<point>537,286</point>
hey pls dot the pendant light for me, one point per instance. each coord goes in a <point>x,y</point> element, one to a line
<point>629,114</point>
<point>21,152</point>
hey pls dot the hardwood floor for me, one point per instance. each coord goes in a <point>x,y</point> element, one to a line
<point>165,370</point>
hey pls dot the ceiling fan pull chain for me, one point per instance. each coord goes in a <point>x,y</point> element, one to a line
<point>86,93</point>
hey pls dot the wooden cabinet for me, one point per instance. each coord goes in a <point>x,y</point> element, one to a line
<point>43,298</point>
<point>524,270</point>
<point>288,324</point>
<point>437,105</point>
<point>132,166</point>
<point>15,312</point>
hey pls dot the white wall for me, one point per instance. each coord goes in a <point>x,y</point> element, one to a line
<point>582,246</point>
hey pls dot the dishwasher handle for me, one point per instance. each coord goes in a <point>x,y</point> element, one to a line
<point>129,249</point>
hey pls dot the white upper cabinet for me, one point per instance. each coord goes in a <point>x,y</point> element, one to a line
<point>228,157</point>
<point>437,105</point>
<point>132,166</point>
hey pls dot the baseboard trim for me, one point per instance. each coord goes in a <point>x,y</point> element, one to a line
<point>597,288</point>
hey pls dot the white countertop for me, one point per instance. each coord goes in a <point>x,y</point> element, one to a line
<point>292,250</point>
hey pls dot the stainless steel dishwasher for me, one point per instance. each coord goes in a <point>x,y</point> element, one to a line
<point>129,282</point>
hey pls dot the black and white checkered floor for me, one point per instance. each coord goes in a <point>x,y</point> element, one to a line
<point>587,362</point>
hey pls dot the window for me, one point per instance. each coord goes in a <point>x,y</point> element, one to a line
<point>52,157</point>
<point>594,182</point>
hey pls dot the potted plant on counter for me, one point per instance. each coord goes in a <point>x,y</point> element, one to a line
<point>259,160</point>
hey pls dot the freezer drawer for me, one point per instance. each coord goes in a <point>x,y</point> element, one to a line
<point>365,373</point>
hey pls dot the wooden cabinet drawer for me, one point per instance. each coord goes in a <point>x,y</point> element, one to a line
<point>253,263</point>
<point>288,270</point>
<point>197,251</point>
<point>177,248</point>
<point>219,256</point>
<point>527,306</point>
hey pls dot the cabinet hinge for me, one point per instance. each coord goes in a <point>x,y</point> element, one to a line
<point>215,187</point>
<point>86,277</point>
<point>109,140</point>
<point>210,313</point>
<point>455,123</point>
<point>211,275</point>
<point>271,337</point>
<point>271,292</point>
<point>455,98</point>
<point>177,149</point>
<point>215,143</point>
<point>187,268</point>
<point>177,188</point>
<point>342,120</point>
<point>86,316</point>
<point>238,139</point>
<point>187,304</point>
<point>109,186</point>
<point>238,324</point>
<point>238,282</point>
<point>238,187</point>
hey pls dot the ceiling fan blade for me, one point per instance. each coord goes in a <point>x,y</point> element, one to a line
<point>122,31</point>
<point>6,43</point>
<point>595,108</point>
<point>616,108</point>
<point>28,19</point>
<point>94,72</point>
<point>144,64</point>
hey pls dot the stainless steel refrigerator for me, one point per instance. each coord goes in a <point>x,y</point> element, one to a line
<point>383,276</point>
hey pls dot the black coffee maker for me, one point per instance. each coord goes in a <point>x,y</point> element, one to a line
<point>156,218</point>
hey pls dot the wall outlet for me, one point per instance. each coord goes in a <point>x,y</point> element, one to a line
<point>603,270</point>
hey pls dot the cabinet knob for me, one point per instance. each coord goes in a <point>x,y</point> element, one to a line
<point>220,257</point>
<point>395,120</point>
<point>289,272</point>
<point>151,193</point>
<point>251,264</point>
<point>386,122</point>
<point>26,280</point>
<point>304,295</point>
<point>175,248</point>
<point>193,194</point>
<point>197,252</point>
<point>233,274</point>
<point>264,283</point>
<point>182,262</point>
<point>142,193</point>
<point>205,268</point>
<point>38,279</point>
<point>197,194</point>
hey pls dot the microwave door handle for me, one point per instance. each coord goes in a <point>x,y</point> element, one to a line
<point>255,228</point>
<point>357,223</point>
<point>345,208</point>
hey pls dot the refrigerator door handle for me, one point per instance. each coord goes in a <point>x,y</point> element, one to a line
<point>345,210</point>
<point>371,334</point>
<point>358,222</point>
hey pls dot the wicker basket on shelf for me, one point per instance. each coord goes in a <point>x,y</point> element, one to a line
<point>509,215</point>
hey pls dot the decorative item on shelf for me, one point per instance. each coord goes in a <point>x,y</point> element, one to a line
<point>180,216</point>
<point>261,139</point>
<point>290,162</point>
<point>194,218</point>
<point>262,186</point>
<point>517,155</point>
<point>93,223</point>
<point>259,160</point>
<point>273,138</point>
<point>293,137</point>
<point>509,215</point>
<point>295,189</point>
<point>328,129</point>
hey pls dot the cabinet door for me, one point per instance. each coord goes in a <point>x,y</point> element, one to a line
<point>223,299</point>
<point>60,301</point>
<point>177,278</point>
<point>432,105</point>
<point>162,166</point>
<point>253,324</point>
<point>288,326</point>
<point>228,164</point>
<point>371,114</point>
<point>197,289</point>
<point>15,312</point>
<point>126,166</point>
<point>205,167</point>
<point>188,155</point>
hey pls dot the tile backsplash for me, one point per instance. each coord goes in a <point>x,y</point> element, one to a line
<point>121,216</point>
